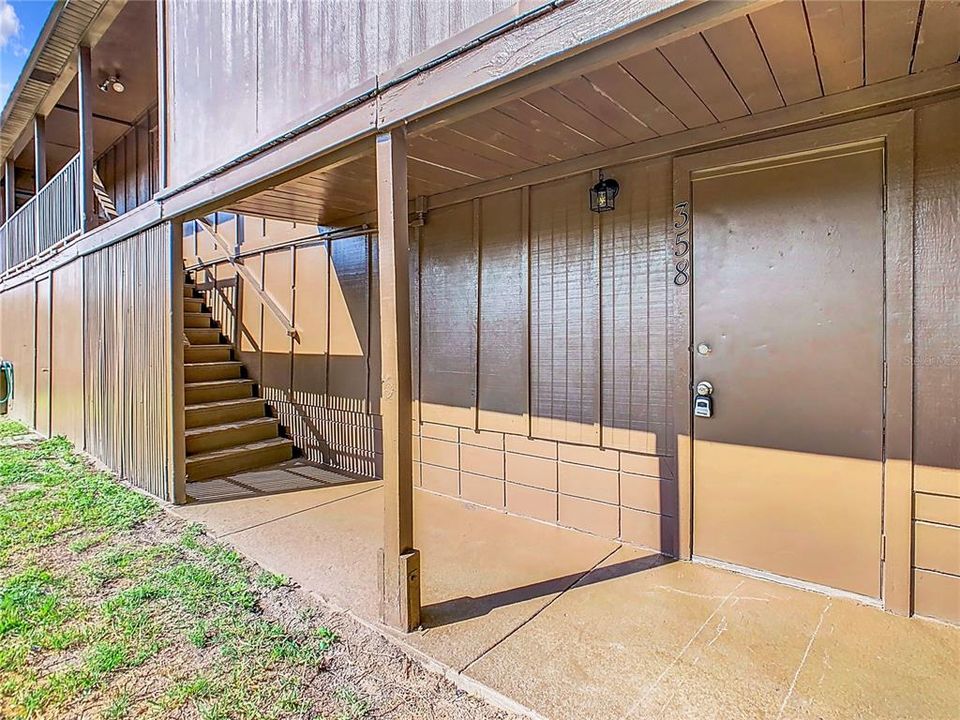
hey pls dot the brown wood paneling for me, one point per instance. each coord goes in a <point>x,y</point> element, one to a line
<point>309,53</point>
<point>937,548</point>
<point>837,31</point>
<point>937,292</point>
<point>67,353</point>
<point>736,46</point>
<point>448,320</point>
<point>311,320</point>
<point>937,509</point>
<point>564,313</point>
<point>127,357</point>
<point>17,345</point>
<point>282,64</point>
<point>616,82</point>
<point>889,28</point>
<point>348,372</point>
<point>406,30</point>
<point>42,391</point>
<point>211,64</point>
<point>128,167</point>
<point>277,346</point>
<point>936,595</point>
<point>938,42</point>
<point>785,39</point>
<point>658,76</point>
<point>695,61</point>
<point>576,117</point>
<point>503,349</point>
<point>589,97</point>
<point>635,307</point>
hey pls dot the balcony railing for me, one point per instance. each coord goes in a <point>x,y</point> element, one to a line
<point>49,217</point>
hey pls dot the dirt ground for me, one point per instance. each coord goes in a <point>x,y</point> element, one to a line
<point>112,608</point>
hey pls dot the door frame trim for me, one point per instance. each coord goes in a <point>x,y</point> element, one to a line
<point>896,131</point>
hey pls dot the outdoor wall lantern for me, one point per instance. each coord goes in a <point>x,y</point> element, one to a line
<point>603,194</point>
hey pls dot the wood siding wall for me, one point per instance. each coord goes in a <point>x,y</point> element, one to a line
<point>240,73</point>
<point>937,363</point>
<point>130,167</point>
<point>542,353</point>
<point>544,359</point>
<point>93,361</point>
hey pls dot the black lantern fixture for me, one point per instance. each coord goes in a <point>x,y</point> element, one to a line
<point>603,194</point>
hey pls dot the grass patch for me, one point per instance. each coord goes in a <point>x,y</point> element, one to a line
<point>88,608</point>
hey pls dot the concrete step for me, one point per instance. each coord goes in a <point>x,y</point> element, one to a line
<point>223,411</point>
<point>241,432</point>
<point>219,370</point>
<point>192,304</point>
<point>213,390</point>
<point>203,336</point>
<point>240,457</point>
<point>207,353</point>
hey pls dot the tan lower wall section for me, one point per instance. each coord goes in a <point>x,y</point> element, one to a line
<point>611,493</point>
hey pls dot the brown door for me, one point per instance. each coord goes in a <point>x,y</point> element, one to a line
<point>788,328</point>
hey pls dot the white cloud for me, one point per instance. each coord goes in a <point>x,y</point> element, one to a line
<point>9,23</point>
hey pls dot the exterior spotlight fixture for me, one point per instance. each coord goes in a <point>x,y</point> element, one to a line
<point>112,83</point>
<point>603,194</point>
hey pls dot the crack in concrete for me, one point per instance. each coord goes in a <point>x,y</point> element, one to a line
<point>653,686</point>
<point>803,660</point>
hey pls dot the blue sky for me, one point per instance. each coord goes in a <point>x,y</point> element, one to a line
<point>20,24</point>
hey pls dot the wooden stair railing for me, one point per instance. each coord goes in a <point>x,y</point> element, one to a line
<point>103,197</point>
<point>251,280</point>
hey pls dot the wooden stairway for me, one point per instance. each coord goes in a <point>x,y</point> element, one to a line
<point>227,427</point>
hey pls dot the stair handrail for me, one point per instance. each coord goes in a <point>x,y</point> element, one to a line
<point>250,280</point>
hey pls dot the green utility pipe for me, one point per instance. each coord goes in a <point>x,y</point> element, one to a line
<point>6,383</point>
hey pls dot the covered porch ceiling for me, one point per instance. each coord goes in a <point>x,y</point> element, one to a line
<point>783,54</point>
<point>128,50</point>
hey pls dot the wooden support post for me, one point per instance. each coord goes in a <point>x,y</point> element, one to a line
<point>10,189</point>
<point>85,104</point>
<point>399,561</point>
<point>40,151</point>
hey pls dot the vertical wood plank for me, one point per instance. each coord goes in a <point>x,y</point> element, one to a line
<point>938,42</point>
<point>694,60</point>
<point>899,339</point>
<point>40,151</point>
<point>782,29</point>
<point>889,30</point>
<point>837,31</point>
<point>176,444</point>
<point>736,46</point>
<point>400,576</point>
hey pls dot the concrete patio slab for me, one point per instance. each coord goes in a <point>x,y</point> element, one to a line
<point>484,574</point>
<point>681,640</point>
<point>574,627</point>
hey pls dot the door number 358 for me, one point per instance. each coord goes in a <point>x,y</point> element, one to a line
<point>681,246</point>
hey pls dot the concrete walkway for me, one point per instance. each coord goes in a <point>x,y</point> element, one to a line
<point>574,627</point>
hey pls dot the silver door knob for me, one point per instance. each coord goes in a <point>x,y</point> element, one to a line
<point>704,387</point>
